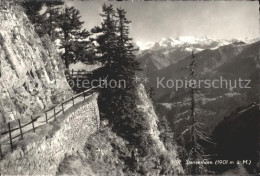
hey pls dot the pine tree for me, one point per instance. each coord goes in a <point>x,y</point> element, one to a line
<point>45,23</point>
<point>106,52</point>
<point>126,59</point>
<point>32,10</point>
<point>194,130</point>
<point>106,38</point>
<point>73,38</point>
<point>115,50</point>
<point>50,18</point>
<point>125,67</point>
<point>166,134</point>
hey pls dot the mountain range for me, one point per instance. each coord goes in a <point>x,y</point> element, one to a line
<point>158,55</point>
<point>198,43</point>
<point>231,60</point>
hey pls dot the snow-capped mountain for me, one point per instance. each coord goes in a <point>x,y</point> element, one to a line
<point>232,61</point>
<point>187,42</point>
<point>158,55</point>
<point>144,45</point>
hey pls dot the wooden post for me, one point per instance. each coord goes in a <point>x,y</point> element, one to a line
<point>1,153</point>
<point>54,113</point>
<point>84,96</point>
<point>62,107</point>
<point>33,124</point>
<point>46,116</point>
<point>20,128</point>
<point>10,136</point>
<point>72,73</point>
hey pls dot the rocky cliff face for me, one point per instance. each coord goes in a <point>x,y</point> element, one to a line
<point>32,74</point>
<point>146,107</point>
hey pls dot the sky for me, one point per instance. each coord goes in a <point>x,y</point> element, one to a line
<point>154,20</point>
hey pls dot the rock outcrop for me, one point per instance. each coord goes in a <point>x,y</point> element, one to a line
<point>31,71</point>
<point>146,107</point>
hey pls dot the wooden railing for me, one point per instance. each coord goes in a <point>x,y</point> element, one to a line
<point>20,129</point>
<point>77,74</point>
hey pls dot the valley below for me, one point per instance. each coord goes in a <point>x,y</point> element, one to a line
<point>222,66</point>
